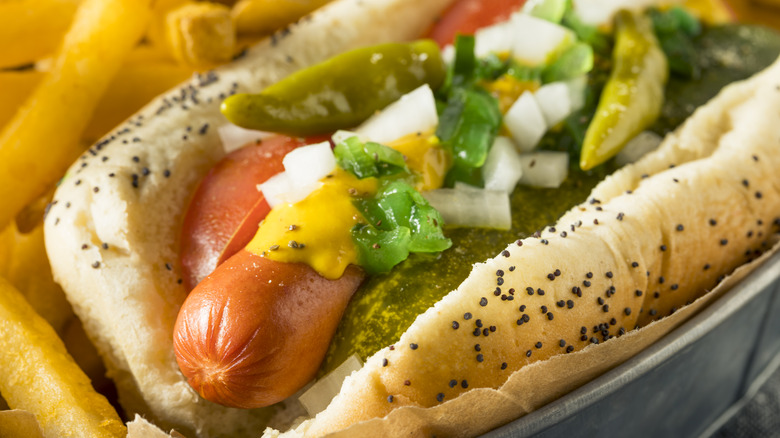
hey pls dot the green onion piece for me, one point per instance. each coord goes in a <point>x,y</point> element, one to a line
<point>576,61</point>
<point>550,10</point>
<point>687,22</point>
<point>525,73</point>
<point>589,34</point>
<point>400,221</point>
<point>467,128</point>
<point>380,250</point>
<point>675,29</point>
<point>491,67</point>
<point>368,159</point>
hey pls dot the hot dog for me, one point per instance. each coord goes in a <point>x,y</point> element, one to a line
<point>244,342</point>
<point>126,284</point>
<point>381,389</point>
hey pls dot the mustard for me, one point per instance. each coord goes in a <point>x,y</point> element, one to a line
<point>425,158</point>
<point>317,230</point>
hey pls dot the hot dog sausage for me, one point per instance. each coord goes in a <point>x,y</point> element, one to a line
<point>256,330</point>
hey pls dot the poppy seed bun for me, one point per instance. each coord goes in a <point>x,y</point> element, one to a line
<point>653,237</point>
<point>112,230</point>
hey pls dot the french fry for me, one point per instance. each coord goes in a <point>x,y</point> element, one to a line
<point>15,87</point>
<point>266,16</point>
<point>137,82</point>
<point>27,269</point>
<point>156,32</point>
<point>201,34</point>
<point>19,424</point>
<point>38,375</point>
<point>33,29</point>
<point>43,138</point>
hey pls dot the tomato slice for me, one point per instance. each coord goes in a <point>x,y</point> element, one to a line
<point>218,217</point>
<point>466,16</point>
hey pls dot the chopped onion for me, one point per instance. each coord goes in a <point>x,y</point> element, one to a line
<point>544,168</point>
<point>601,12</point>
<point>448,54</point>
<point>235,137</point>
<point>496,38</point>
<point>502,167</point>
<point>414,112</point>
<point>529,39</point>
<point>525,121</point>
<point>304,167</point>
<point>309,164</point>
<point>637,147</point>
<point>341,135</point>
<point>319,396</point>
<point>472,207</point>
<point>280,188</point>
<point>555,102</point>
<point>577,92</point>
<point>535,40</point>
<point>550,10</point>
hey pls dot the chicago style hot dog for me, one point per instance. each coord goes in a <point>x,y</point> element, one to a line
<point>113,230</point>
<point>254,331</point>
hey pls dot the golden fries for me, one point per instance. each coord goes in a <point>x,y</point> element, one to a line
<point>15,87</point>
<point>33,29</point>
<point>266,16</point>
<point>43,138</point>
<point>19,424</point>
<point>38,375</point>
<point>26,267</point>
<point>134,86</point>
<point>201,34</point>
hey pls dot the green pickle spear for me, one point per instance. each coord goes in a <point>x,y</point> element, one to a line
<point>340,92</point>
<point>634,94</point>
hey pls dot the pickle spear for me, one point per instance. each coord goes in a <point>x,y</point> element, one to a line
<point>634,94</point>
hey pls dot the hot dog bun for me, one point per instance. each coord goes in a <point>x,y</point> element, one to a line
<point>653,237</point>
<point>112,229</point>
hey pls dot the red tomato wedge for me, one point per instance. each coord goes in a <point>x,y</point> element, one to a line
<point>466,16</point>
<point>227,207</point>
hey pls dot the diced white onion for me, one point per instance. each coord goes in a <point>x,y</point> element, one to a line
<point>275,187</point>
<point>472,207</point>
<point>601,12</point>
<point>577,92</point>
<point>448,54</point>
<point>529,39</point>
<point>319,396</point>
<point>280,188</point>
<point>414,112</point>
<point>496,38</point>
<point>544,168</point>
<point>554,100</point>
<point>637,147</point>
<point>534,40</point>
<point>502,167</point>
<point>308,164</point>
<point>525,122</point>
<point>234,137</point>
<point>341,135</point>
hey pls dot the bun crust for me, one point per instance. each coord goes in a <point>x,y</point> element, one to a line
<point>112,230</point>
<point>654,236</point>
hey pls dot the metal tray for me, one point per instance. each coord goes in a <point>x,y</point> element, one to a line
<point>685,384</point>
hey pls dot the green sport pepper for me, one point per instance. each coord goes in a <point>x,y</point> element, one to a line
<point>634,93</point>
<point>340,92</point>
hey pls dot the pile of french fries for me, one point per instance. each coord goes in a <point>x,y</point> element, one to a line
<point>70,72</point>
